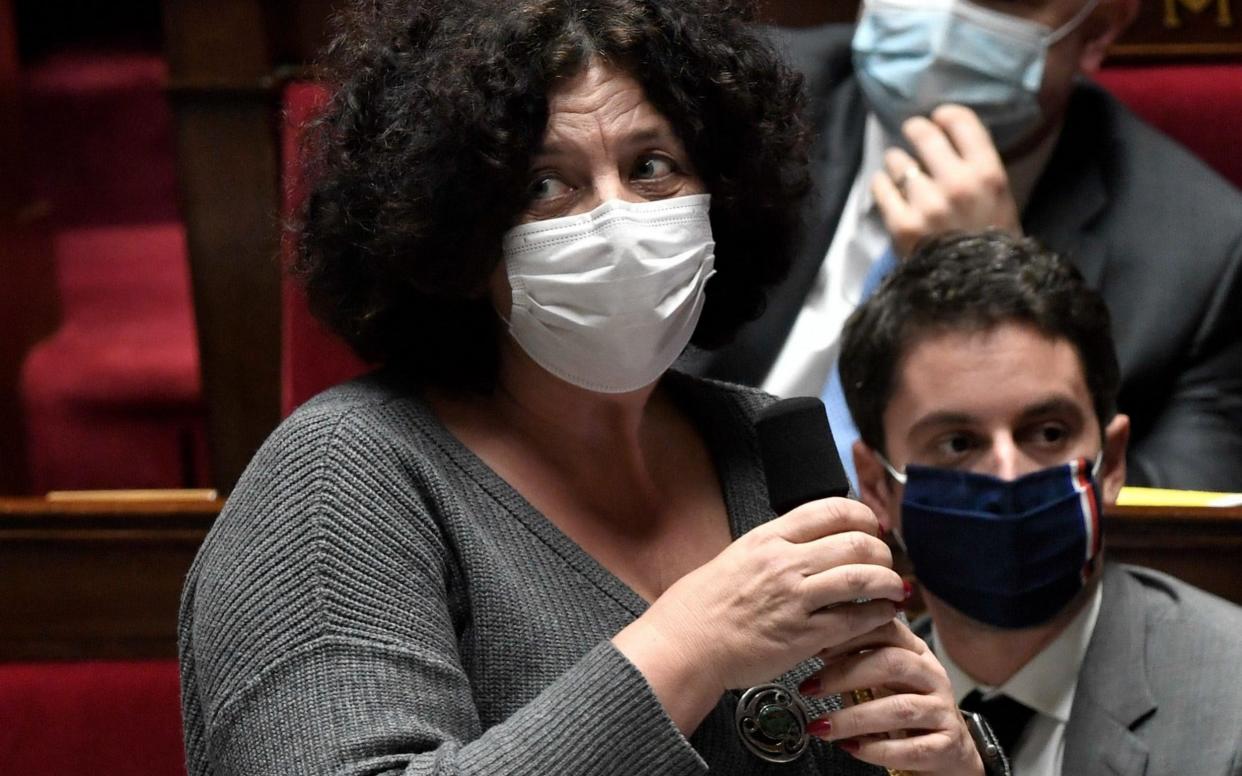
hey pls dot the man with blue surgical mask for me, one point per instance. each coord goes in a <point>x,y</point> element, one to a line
<point>984,381</point>
<point>934,115</point>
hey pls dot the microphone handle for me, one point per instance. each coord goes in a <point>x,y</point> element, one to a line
<point>801,464</point>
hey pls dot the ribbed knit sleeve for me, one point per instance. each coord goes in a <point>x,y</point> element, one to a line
<point>322,621</point>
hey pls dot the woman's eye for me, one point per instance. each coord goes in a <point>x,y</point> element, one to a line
<point>652,167</point>
<point>547,187</point>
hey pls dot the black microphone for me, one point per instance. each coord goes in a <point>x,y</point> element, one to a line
<point>801,464</point>
<point>800,459</point>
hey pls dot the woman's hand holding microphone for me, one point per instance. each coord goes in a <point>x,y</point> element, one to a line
<point>815,581</point>
<point>914,699</point>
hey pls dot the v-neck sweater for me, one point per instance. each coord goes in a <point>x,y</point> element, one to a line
<point>375,599</point>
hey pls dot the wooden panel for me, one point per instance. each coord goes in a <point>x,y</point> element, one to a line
<point>298,29</point>
<point>101,577</point>
<point>96,578</point>
<point>1200,546</point>
<point>806,13</point>
<point>225,105</point>
<point>1179,28</point>
<point>222,41</point>
<point>1163,28</point>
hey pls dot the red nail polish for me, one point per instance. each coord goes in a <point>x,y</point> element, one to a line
<point>819,727</point>
<point>882,533</point>
<point>907,589</point>
<point>809,685</point>
<point>847,745</point>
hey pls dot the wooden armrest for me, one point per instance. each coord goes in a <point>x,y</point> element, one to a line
<point>96,576</point>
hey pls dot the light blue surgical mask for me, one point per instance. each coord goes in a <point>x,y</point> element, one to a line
<point>913,55</point>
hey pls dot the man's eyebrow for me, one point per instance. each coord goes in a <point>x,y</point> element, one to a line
<point>1048,406</point>
<point>1052,405</point>
<point>943,418</point>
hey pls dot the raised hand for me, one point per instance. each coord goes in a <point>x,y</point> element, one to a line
<point>957,181</point>
<point>775,597</point>
<point>912,723</point>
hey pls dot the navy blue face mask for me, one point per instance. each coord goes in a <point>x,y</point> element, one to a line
<point>1009,553</point>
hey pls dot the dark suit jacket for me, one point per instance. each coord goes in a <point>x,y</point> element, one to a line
<point>1149,225</point>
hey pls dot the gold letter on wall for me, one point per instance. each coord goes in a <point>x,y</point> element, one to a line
<point>1172,20</point>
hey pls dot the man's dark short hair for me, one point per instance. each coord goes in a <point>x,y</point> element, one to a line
<point>973,283</point>
<point>420,162</point>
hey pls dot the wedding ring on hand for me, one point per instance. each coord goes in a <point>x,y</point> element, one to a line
<point>903,183</point>
<point>861,696</point>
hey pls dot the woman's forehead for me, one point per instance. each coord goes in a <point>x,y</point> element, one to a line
<point>601,101</point>
<point>597,85</point>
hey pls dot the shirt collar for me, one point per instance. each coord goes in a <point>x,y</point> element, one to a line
<point>1046,683</point>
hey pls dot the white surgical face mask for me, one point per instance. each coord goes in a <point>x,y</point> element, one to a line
<point>913,55</point>
<point>607,300</point>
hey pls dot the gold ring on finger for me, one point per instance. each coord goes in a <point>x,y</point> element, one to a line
<point>903,183</point>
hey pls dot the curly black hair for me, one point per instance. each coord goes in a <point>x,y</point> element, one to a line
<point>963,281</point>
<point>420,161</point>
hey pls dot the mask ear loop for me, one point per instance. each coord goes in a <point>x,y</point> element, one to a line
<point>1059,33</point>
<point>901,478</point>
<point>1097,464</point>
<point>892,470</point>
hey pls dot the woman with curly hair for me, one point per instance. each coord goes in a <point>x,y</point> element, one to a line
<point>523,545</point>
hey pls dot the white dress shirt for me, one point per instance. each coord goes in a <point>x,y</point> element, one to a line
<point>1045,684</point>
<point>811,349</point>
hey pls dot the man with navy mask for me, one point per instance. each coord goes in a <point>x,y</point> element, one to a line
<point>965,114</point>
<point>983,378</point>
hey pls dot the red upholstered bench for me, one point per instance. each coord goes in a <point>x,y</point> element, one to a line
<point>1198,105</point>
<point>108,718</point>
<point>112,399</point>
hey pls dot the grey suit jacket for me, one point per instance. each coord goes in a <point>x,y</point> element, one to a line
<point>1160,689</point>
<point>1149,225</point>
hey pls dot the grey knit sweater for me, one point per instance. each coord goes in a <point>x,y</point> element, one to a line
<point>374,599</point>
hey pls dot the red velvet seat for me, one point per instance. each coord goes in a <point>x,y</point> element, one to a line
<point>107,718</point>
<point>112,399</point>
<point>1198,105</point>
